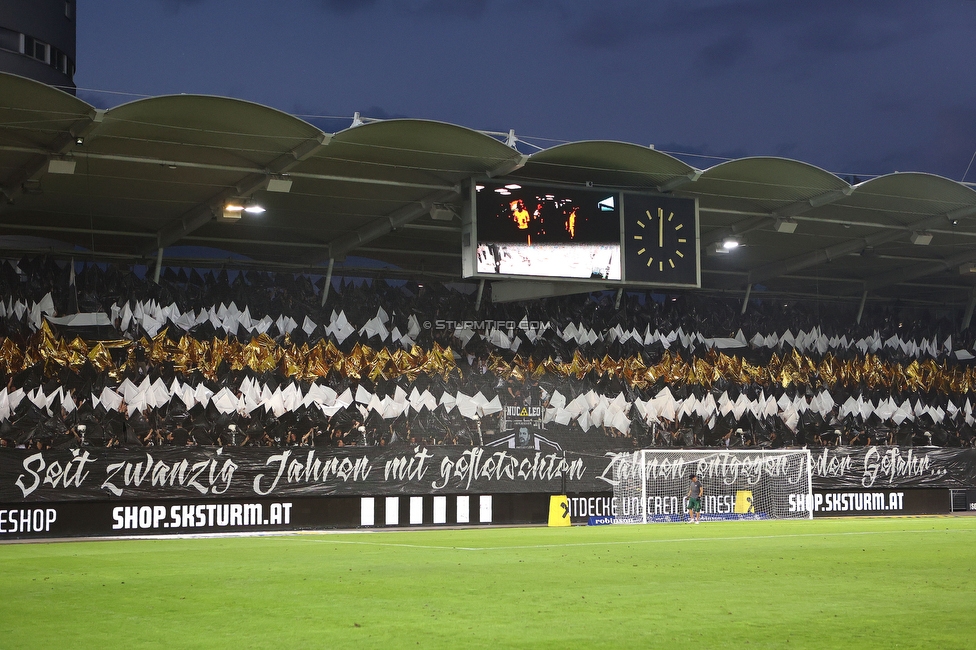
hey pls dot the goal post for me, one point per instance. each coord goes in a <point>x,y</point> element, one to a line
<point>650,485</point>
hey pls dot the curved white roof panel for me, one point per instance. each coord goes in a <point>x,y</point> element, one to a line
<point>156,172</point>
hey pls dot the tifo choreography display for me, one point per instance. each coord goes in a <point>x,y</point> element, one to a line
<point>253,359</point>
<point>231,390</point>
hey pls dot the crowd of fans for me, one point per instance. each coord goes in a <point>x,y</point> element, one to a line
<point>74,417</point>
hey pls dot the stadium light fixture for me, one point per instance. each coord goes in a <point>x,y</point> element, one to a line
<point>279,184</point>
<point>232,209</point>
<point>441,212</point>
<point>921,238</point>
<point>61,166</point>
<point>787,226</point>
<point>723,247</point>
<point>253,207</point>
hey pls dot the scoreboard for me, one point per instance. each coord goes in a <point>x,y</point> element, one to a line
<point>520,231</point>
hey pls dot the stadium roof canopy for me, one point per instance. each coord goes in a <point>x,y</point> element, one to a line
<point>155,173</point>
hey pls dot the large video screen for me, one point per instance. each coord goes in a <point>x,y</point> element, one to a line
<point>546,232</point>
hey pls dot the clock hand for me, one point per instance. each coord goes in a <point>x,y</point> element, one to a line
<point>660,229</point>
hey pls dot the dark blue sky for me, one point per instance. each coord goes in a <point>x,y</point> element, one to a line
<point>854,86</point>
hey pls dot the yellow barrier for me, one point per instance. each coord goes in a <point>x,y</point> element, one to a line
<point>559,510</point>
<point>743,502</point>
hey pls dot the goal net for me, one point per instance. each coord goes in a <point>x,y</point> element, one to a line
<point>651,485</point>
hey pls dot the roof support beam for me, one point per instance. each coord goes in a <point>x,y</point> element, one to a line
<point>736,229</point>
<point>907,273</point>
<point>377,228</point>
<point>13,187</point>
<point>255,242</point>
<point>887,226</point>
<point>421,253</point>
<point>508,166</point>
<point>794,209</point>
<point>233,263</point>
<point>481,293</point>
<point>680,181</point>
<point>143,160</point>
<point>424,226</point>
<point>823,255</point>
<point>199,216</point>
<point>69,229</point>
<point>860,307</point>
<point>967,316</point>
<point>787,211</point>
<point>148,235</point>
<point>328,282</point>
<point>159,265</point>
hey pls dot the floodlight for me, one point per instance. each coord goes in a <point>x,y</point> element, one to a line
<point>921,238</point>
<point>56,166</point>
<point>253,207</point>
<point>279,185</point>
<point>232,210</point>
<point>441,213</point>
<point>787,226</point>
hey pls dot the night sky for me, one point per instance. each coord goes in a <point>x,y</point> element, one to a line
<point>857,87</point>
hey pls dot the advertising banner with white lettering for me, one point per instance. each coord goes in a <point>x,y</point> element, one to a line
<point>881,502</point>
<point>232,472</point>
<point>602,508</point>
<point>836,468</point>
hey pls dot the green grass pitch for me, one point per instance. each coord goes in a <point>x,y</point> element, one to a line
<point>852,583</point>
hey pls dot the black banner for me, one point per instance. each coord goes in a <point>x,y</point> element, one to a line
<point>62,475</point>
<point>584,507</point>
<point>837,468</point>
<point>881,502</point>
<point>235,472</point>
<point>220,516</point>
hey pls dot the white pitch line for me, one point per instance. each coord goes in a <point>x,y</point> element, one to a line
<point>636,541</point>
<point>424,546</point>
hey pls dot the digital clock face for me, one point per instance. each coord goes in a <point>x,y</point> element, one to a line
<point>661,240</point>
